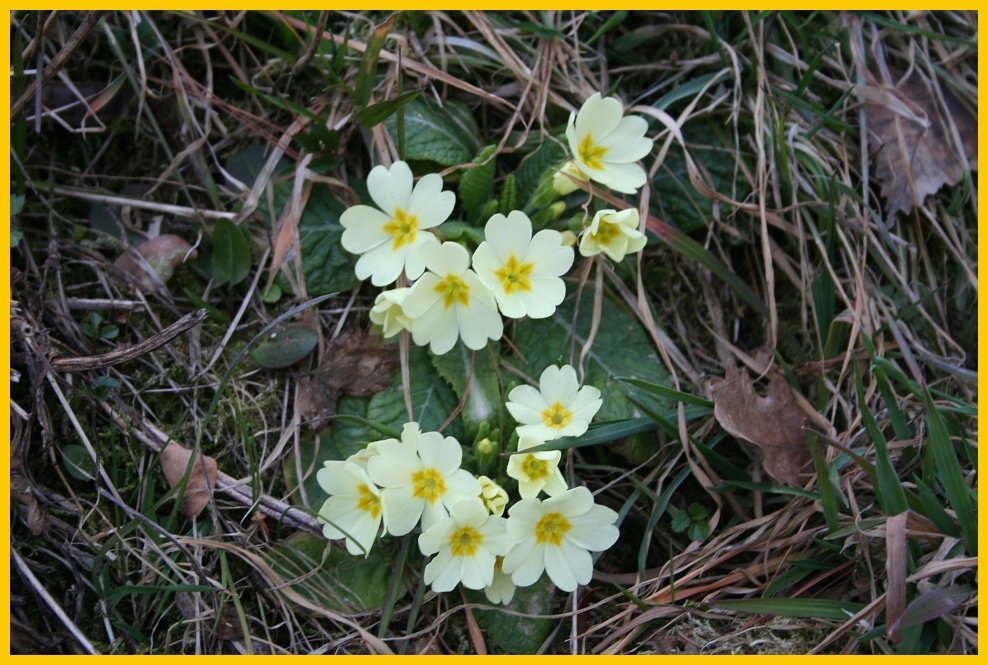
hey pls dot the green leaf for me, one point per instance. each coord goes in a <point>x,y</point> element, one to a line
<point>948,469</point>
<point>890,492</point>
<point>77,462</point>
<point>432,400</point>
<point>483,403</point>
<point>16,204</point>
<point>326,265</point>
<point>457,230</point>
<point>599,433</point>
<point>802,608</point>
<point>620,349</point>
<point>508,200</point>
<point>333,579</point>
<point>512,633</point>
<point>231,253</point>
<point>286,346</point>
<point>680,521</point>
<point>368,63</point>
<point>532,170</point>
<point>664,392</point>
<point>375,114</point>
<point>675,199</point>
<point>477,184</point>
<point>444,135</point>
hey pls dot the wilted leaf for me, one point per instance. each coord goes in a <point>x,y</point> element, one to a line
<point>355,364</point>
<point>174,462</point>
<point>286,346</point>
<point>774,423</point>
<point>914,160</point>
<point>163,253</point>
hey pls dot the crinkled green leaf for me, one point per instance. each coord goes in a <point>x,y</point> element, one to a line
<point>483,401</point>
<point>620,349</point>
<point>477,184</point>
<point>549,155</point>
<point>333,579</point>
<point>231,253</point>
<point>327,266</point>
<point>446,135</point>
<point>457,230</point>
<point>518,634</point>
<point>432,400</point>
<point>675,200</point>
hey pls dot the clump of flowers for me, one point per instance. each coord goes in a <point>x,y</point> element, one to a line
<point>445,294</point>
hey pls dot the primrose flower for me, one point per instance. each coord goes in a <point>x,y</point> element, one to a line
<point>563,185</point>
<point>558,408</point>
<point>420,477</point>
<point>494,496</point>
<point>614,233</point>
<point>501,589</point>
<point>354,510</point>
<point>466,544</point>
<point>389,238</point>
<point>606,145</point>
<point>388,314</point>
<point>536,471</point>
<point>523,271</point>
<point>450,301</point>
<point>557,536</point>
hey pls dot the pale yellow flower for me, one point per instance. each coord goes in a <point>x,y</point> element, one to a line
<point>560,407</point>
<point>389,237</point>
<point>388,314</point>
<point>354,510</point>
<point>606,145</point>
<point>450,301</point>
<point>494,496</point>
<point>557,536</point>
<point>523,271</point>
<point>614,233</point>
<point>466,544</point>
<point>536,471</point>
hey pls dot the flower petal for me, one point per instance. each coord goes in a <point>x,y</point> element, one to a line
<point>627,141</point>
<point>598,117</point>
<point>390,189</point>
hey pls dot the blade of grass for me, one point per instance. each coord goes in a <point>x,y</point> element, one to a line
<point>801,608</point>
<point>948,468</point>
<point>368,64</point>
<point>889,491</point>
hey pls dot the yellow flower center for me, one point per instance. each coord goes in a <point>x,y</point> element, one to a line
<point>428,484</point>
<point>403,227</point>
<point>369,502</point>
<point>535,468</point>
<point>551,529</point>
<point>465,541</point>
<point>514,276</point>
<point>454,290</point>
<point>557,416</point>
<point>591,154</point>
<point>606,233</point>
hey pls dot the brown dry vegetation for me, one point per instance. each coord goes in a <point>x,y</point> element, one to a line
<point>813,207</point>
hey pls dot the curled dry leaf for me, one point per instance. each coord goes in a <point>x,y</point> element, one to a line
<point>163,253</point>
<point>917,154</point>
<point>773,423</point>
<point>355,364</point>
<point>174,462</point>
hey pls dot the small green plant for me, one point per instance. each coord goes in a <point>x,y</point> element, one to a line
<point>100,389</point>
<point>692,521</point>
<point>96,327</point>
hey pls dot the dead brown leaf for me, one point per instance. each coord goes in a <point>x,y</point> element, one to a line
<point>354,364</point>
<point>174,462</point>
<point>163,254</point>
<point>773,423</point>
<point>913,160</point>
